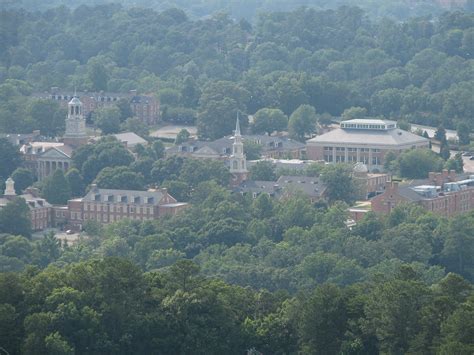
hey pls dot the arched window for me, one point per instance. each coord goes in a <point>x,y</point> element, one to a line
<point>234,164</point>
<point>77,110</point>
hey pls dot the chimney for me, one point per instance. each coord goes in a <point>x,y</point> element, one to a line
<point>94,188</point>
<point>452,175</point>
<point>445,174</point>
<point>432,177</point>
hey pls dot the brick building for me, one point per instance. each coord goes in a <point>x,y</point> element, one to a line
<point>144,107</point>
<point>108,205</point>
<point>363,140</point>
<point>40,210</point>
<point>442,193</point>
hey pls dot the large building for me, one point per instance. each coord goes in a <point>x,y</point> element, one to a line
<point>42,158</point>
<point>40,210</point>
<point>108,205</point>
<point>272,147</point>
<point>363,140</point>
<point>145,107</point>
<point>441,193</point>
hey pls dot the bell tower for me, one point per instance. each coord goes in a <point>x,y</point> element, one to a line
<point>75,135</point>
<point>238,160</point>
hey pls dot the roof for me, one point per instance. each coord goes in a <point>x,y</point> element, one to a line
<point>75,101</point>
<point>127,196</point>
<point>393,137</point>
<point>258,187</point>
<point>223,146</point>
<point>370,121</point>
<point>39,147</point>
<point>308,185</point>
<point>130,138</point>
<point>31,201</point>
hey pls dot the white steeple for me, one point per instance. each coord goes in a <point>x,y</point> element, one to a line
<point>75,123</point>
<point>10,187</point>
<point>238,160</point>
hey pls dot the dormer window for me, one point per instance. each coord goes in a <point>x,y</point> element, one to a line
<point>97,197</point>
<point>110,198</point>
<point>136,199</point>
<point>150,200</point>
<point>123,199</point>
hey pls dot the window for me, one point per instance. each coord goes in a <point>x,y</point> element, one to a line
<point>328,149</point>
<point>328,158</point>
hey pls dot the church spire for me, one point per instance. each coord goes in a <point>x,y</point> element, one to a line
<point>237,125</point>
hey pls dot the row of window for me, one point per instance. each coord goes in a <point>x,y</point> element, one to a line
<point>343,149</point>
<point>351,159</point>
<point>119,209</point>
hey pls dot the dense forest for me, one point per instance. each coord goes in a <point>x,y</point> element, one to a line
<point>249,9</point>
<point>206,70</point>
<point>234,274</point>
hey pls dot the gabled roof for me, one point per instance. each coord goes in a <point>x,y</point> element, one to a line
<point>310,186</point>
<point>64,151</point>
<point>130,138</point>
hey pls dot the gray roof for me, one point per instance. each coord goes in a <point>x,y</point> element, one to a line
<point>130,138</point>
<point>393,137</point>
<point>223,146</point>
<point>32,201</point>
<point>310,186</point>
<point>125,196</point>
<point>258,187</point>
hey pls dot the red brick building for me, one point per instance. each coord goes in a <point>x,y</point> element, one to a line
<point>442,193</point>
<point>108,205</point>
<point>145,107</point>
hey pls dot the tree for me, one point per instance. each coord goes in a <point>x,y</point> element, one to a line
<point>15,218</point>
<point>56,188</point>
<point>23,178</point>
<point>444,150</point>
<point>456,163</point>
<point>119,177</point>
<point>417,163</point>
<point>440,134</point>
<point>339,183</point>
<point>108,120</point>
<point>136,126</point>
<point>98,76</point>
<point>263,170</point>
<point>463,132</point>
<point>302,122</point>
<point>252,150</point>
<point>354,112</point>
<point>269,120</point>
<point>182,136</point>
<point>9,158</point>
<point>75,181</point>
<point>125,109</point>
<point>47,116</point>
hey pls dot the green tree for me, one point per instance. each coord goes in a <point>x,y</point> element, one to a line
<point>252,150</point>
<point>463,131</point>
<point>269,120</point>
<point>75,181</point>
<point>417,163</point>
<point>97,74</point>
<point>302,122</point>
<point>339,183</point>
<point>15,218</point>
<point>440,134</point>
<point>263,170</point>
<point>456,163</point>
<point>182,136</point>
<point>56,188</point>
<point>23,178</point>
<point>107,119</point>
<point>119,177</point>
<point>9,158</point>
<point>444,150</point>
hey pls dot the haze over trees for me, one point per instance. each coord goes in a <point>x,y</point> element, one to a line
<point>205,71</point>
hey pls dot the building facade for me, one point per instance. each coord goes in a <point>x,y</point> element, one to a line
<point>108,205</point>
<point>442,193</point>
<point>363,140</point>
<point>145,107</point>
<point>41,216</point>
